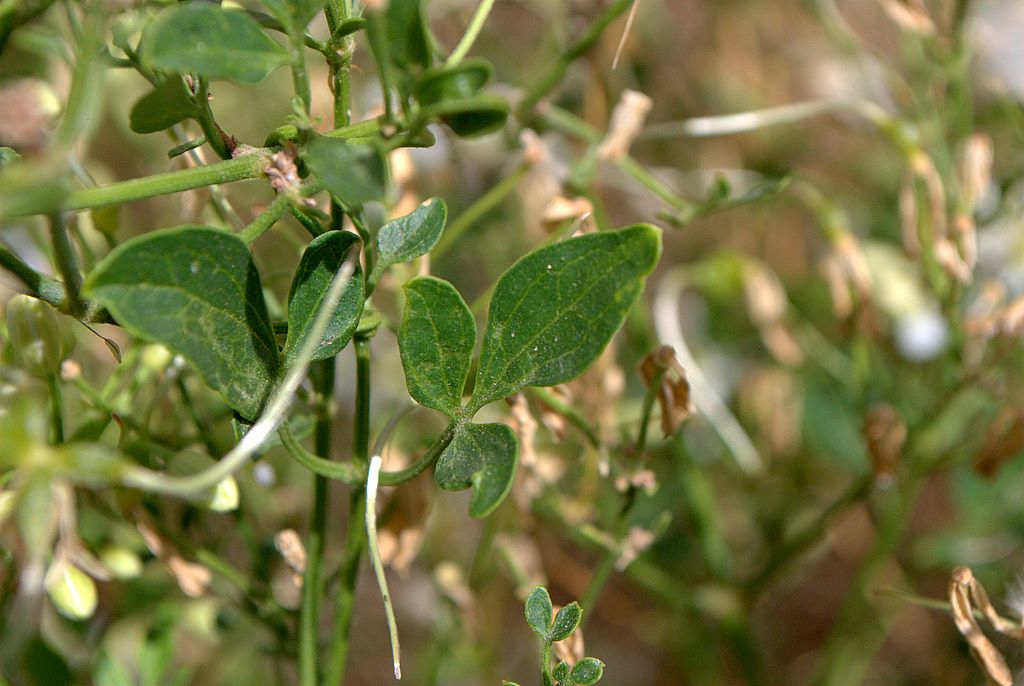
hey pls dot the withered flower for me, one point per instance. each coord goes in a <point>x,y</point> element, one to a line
<point>673,390</point>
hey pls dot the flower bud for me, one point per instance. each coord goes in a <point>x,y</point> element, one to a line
<point>71,591</point>
<point>35,335</point>
<point>122,562</point>
<point>225,496</point>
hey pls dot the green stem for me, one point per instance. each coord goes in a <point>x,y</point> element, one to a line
<point>48,290</point>
<point>309,613</point>
<point>329,469</point>
<point>214,135</point>
<point>269,22</point>
<point>472,215</point>
<point>545,664</point>
<point>376,32</point>
<point>581,45</point>
<point>793,549</point>
<point>645,413</point>
<point>472,32</point>
<point>355,538</point>
<point>297,56</point>
<point>67,263</point>
<point>57,408</point>
<point>425,461</point>
<point>238,169</point>
<point>267,218</point>
<point>569,412</point>
<point>566,121</point>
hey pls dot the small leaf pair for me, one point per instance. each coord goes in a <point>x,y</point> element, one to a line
<point>586,671</point>
<point>551,315</point>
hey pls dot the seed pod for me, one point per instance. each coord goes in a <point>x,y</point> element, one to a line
<point>71,591</point>
<point>35,334</point>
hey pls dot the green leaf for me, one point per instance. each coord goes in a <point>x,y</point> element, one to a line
<point>294,15</point>
<point>436,340</point>
<point>538,613</point>
<point>321,259</point>
<point>195,290</point>
<point>561,671</point>
<point>566,621</point>
<point>408,237</point>
<point>202,38</point>
<point>166,105</point>
<point>407,34</point>
<point>481,456</point>
<point>555,310</point>
<point>587,671</point>
<point>354,174</point>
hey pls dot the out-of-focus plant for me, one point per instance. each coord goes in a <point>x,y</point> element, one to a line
<point>177,389</point>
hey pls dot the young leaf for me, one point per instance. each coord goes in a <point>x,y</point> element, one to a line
<point>170,103</point>
<point>538,613</point>
<point>321,259</point>
<point>436,341</point>
<point>408,237</point>
<point>587,671</point>
<point>566,621</point>
<point>195,290</point>
<point>354,174</point>
<point>202,38</point>
<point>555,310</point>
<point>561,671</point>
<point>407,34</point>
<point>481,456</point>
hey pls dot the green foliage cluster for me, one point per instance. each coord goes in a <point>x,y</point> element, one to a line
<point>208,365</point>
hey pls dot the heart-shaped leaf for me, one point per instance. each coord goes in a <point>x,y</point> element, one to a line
<point>408,237</point>
<point>195,290</point>
<point>538,612</point>
<point>166,105</point>
<point>481,456</point>
<point>436,340</point>
<point>355,174</point>
<point>555,310</point>
<point>321,259</point>
<point>202,38</point>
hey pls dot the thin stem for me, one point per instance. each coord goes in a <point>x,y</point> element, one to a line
<point>238,169</point>
<point>329,469</point>
<point>472,32</point>
<point>545,664</point>
<point>569,412</point>
<point>355,538</point>
<point>425,461</point>
<point>309,613</point>
<point>589,37</point>
<point>471,216</point>
<point>67,263</point>
<point>378,565</point>
<point>56,408</point>
<point>48,290</point>
<point>377,34</point>
<point>570,123</point>
<point>267,218</point>
<point>214,134</point>
<point>796,546</point>
<point>297,56</point>
<point>645,413</point>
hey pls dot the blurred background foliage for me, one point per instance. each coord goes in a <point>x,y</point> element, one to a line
<point>858,322</point>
